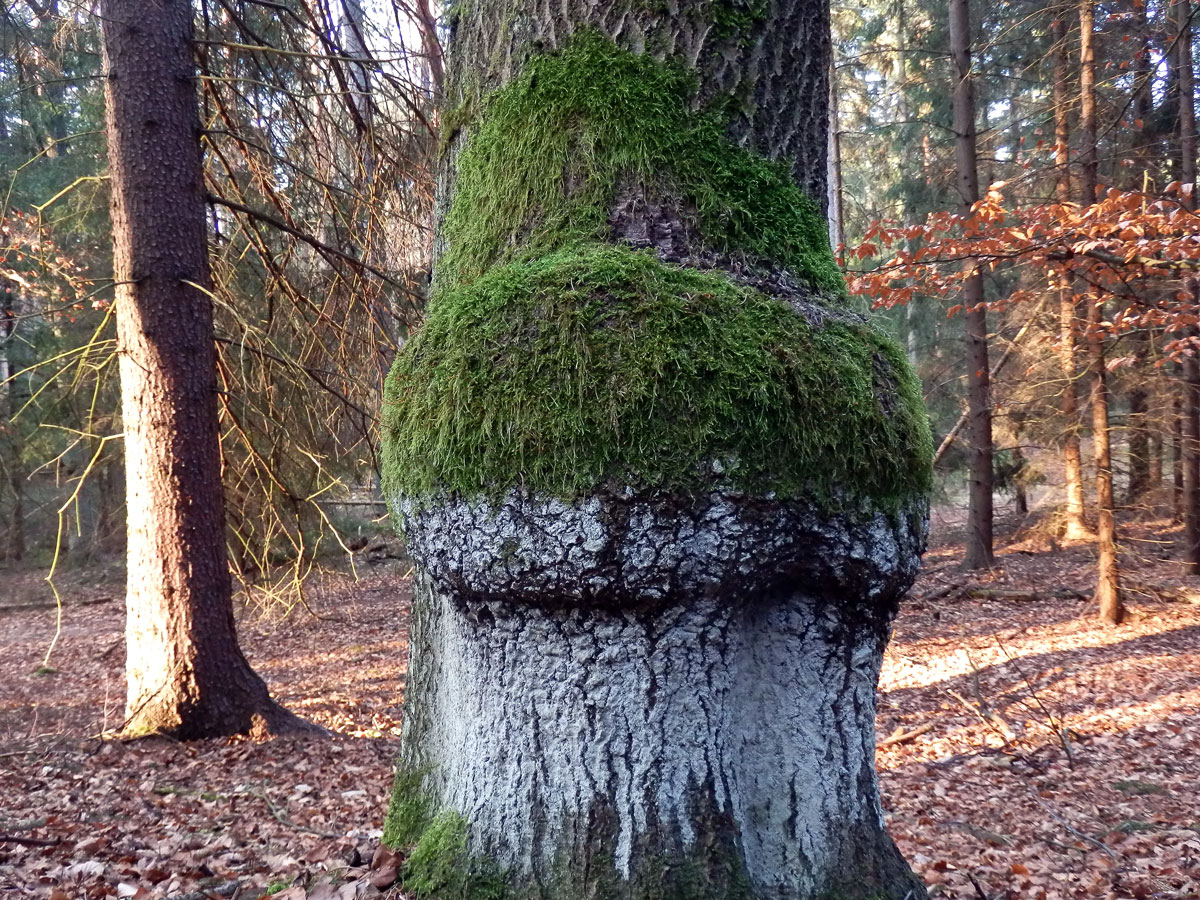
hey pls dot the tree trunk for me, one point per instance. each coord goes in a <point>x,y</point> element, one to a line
<point>1177,449</point>
<point>644,642</point>
<point>186,675</point>
<point>12,444</point>
<point>837,225</point>
<point>1089,165</point>
<point>1185,76</point>
<point>1140,429</point>
<point>1190,445</point>
<point>979,424</point>
<point>1075,527</point>
<point>1190,425</point>
<point>1108,586</point>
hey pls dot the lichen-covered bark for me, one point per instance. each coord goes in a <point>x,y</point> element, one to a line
<point>686,684</point>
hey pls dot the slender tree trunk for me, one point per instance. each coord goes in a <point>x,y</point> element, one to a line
<point>1190,444</point>
<point>1177,449</point>
<point>620,690</point>
<point>1075,527</point>
<point>1089,164</point>
<point>1108,585</point>
<point>837,226</point>
<point>1140,429</point>
<point>186,675</point>
<point>1156,449</point>
<point>1185,76</point>
<point>979,425</point>
<point>14,463</point>
<point>1190,407</point>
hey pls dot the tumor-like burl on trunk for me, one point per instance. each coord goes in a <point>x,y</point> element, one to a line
<point>664,491</point>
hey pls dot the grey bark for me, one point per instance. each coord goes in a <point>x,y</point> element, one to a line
<point>643,694</point>
<point>778,67</point>
<point>612,682</point>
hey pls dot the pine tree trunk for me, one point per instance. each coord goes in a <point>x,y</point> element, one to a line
<point>1177,448</point>
<point>186,675</point>
<point>636,679</point>
<point>14,463</point>
<point>979,423</point>
<point>1190,444</point>
<point>1108,586</point>
<point>1140,429</point>
<point>1139,437</point>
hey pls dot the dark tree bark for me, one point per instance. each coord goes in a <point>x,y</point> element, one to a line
<point>1190,444</point>
<point>1108,584</point>
<point>10,436</point>
<point>1140,429</point>
<point>1190,407</point>
<point>186,675</point>
<point>656,680</point>
<point>979,422</point>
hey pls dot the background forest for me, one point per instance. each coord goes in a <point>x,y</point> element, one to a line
<point>1011,196</point>
<point>321,130</point>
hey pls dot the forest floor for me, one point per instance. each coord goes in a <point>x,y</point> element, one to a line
<point>1026,750</point>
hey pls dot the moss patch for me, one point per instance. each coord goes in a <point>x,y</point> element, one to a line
<point>408,812</point>
<point>542,165</point>
<point>601,364</point>
<point>440,865</point>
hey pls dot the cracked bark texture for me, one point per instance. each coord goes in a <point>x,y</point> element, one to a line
<point>603,686</point>
<point>186,675</point>
<point>768,59</point>
<point>645,694</point>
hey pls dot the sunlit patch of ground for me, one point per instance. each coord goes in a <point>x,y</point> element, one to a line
<point>1055,758</point>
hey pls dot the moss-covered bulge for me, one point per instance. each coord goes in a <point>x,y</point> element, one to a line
<point>603,365</point>
<point>556,359</point>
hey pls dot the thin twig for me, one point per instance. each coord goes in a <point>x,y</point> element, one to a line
<point>29,842</point>
<point>1075,831</point>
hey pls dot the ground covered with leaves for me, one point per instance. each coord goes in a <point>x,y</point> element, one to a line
<point>1026,750</point>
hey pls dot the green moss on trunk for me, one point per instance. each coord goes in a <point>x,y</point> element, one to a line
<point>602,365</point>
<point>545,158</point>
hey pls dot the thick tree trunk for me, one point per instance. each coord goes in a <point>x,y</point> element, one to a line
<point>979,422</point>
<point>639,679</point>
<point>704,742</point>
<point>185,673</point>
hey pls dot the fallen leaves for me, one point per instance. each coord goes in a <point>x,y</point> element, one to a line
<point>1087,790</point>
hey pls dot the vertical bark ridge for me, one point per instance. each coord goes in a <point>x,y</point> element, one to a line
<point>186,674</point>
